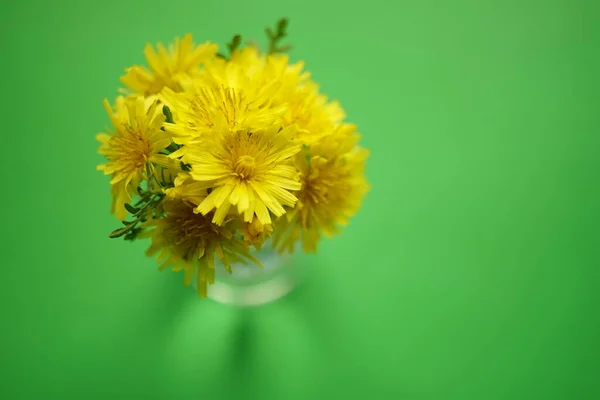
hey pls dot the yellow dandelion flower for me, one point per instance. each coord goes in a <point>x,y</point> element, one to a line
<point>225,95</point>
<point>311,112</point>
<point>250,58</point>
<point>292,89</point>
<point>136,141</point>
<point>290,86</point>
<point>333,186</point>
<point>170,68</point>
<point>193,193</point>
<point>255,233</point>
<point>206,109</point>
<point>188,242</point>
<point>187,189</point>
<point>259,68</point>
<point>249,69</point>
<point>246,169</point>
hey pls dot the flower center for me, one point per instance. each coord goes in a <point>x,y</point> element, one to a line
<point>134,150</point>
<point>189,232</point>
<point>245,167</point>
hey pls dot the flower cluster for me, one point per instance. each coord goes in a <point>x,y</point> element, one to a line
<point>211,155</point>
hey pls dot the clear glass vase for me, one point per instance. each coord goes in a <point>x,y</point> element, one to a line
<point>250,285</point>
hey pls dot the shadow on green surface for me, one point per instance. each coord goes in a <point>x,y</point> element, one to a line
<point>285,349</point>
<point>288,348</point>
<point>170,302</point>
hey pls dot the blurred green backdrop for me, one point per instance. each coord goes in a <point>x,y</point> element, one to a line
<point>470,273</point>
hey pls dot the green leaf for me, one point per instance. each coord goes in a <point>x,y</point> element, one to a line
<point>282,26</point>
<point>167,113</point>
<point>144,199</point>
<point>275,37</point>
<point>234,44</point>
<point>131,208</point>
<point>118,232</point>
<point>127,222</point>
<point>131,236</point>
<point>285,48</point>
<point>121,231</point>
<point>173,147</point>
<point>237,39</point>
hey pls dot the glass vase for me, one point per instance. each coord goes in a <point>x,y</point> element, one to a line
<point>251,285</point>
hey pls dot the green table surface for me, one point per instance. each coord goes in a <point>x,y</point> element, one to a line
<point>471,272</point>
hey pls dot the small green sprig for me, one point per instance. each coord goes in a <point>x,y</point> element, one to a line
<point>144,208</point>
<point>276,36</point>
<point>232,46</point>
<point>168,118</point>
<point>168,114</point>
<point>173,147</point>
<point>149,204</point>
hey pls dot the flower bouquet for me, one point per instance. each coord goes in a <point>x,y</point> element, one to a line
<point>212,154</point>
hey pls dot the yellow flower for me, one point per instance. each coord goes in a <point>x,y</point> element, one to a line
<point>255,233</point>
<point>208,109</point>
<point>305,107</point>
<point>246,169</point>
<point>311,112</point>
<point>232,95</point>
<point>171,68</point>
<point>333,186</point>
<point>187,190</point>
<point>188,241</point>
<point>262,70</point>
<point>137,141</point>
<point>291,88</point>
<point>251,91</point>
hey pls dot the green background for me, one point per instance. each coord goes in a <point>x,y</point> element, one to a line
<point>470,273</point>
